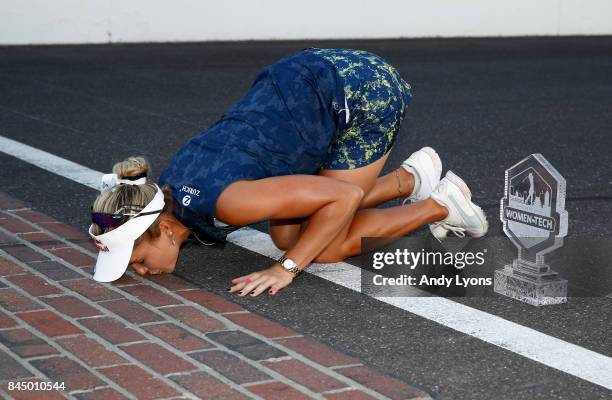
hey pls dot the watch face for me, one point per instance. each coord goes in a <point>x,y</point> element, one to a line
<point>288,264</point>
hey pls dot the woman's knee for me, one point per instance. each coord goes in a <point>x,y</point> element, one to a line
<point>363,177</point>
<point>286,235</point>
<point>333,254</point>
<point>355,193</point>
<point>282,242</point>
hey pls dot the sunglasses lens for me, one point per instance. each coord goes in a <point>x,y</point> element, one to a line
<point>106,221</point>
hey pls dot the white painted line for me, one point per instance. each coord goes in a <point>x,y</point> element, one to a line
<point>51,163</point>
<point>548,350</point>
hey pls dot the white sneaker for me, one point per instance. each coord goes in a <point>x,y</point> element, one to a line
<point>426,167</point>
<point>437,228</point>
<point>463,215</point>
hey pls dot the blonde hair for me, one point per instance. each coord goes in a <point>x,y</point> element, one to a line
<point>136,197</point>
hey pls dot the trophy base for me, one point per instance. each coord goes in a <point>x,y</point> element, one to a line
<point>535,291</point>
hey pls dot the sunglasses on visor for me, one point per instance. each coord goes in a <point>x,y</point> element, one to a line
<point>107,220</point>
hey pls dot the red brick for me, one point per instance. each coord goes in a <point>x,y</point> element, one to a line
<point>305,375</point>
<point>111,329</point>
<point>14,301</point>
<point>16,225</point>
<point>74,257</point>
<point>124,280</point>
<point>245,344</point>
<point>206,387</point>
<point>33,394</point>
<point>211,301</point>
<point>10,203</point>
<point>104,393</point>
<point>92,290</point>
<point>8,267</point>
<point>49,323</point>
<point>317,352</point>
<point>7,239</point>
<point>25,344</point>
<point>194,318</point>
<point>6,321</point>
<point>90,271</point>
<point>11,369</point>
<point>139,382</point>
<point>56,271</point>
<point>24,253</point>
<point>260,325</point>
<point>170,282</point>
<point>33,284</point>
<point>71,306</point>
<point>230,366</point>
<point>151,295</point>
<point>349,395</point>
<point>131,311</point>
<point>90,351</point>
<point>42,240</point>
<point>87,244</point>
<point>157,358</point>
<point>177,337</point>
<point>62,369</point>
<point>276,391</point>
<point>64,231</point>
<point>390,387</point>
<point>34,216</point>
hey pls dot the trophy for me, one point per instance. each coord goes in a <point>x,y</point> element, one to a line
<point>534,218</point>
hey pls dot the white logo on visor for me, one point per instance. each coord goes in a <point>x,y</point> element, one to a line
<point>186,200</point>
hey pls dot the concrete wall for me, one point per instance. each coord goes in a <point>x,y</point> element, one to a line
<point>103,21</point>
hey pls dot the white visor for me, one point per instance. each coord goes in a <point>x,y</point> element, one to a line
<point>115,247</point>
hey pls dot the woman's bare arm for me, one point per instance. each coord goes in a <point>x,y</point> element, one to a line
<point>330,204</point>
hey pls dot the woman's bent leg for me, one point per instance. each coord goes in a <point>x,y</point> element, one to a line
<point>388,222</point>
<point>372,222</point>
<point>285,233</point>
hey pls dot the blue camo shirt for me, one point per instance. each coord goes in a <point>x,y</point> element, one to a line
<point>283,125</point>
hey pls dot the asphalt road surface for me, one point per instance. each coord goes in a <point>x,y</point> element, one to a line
<point>483,104</point>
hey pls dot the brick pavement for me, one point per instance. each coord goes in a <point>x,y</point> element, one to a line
<point>157,337</point>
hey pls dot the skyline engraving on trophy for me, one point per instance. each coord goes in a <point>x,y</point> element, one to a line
<point>534,218</point>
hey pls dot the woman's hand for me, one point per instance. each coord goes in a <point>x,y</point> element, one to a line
<point>273,278</point>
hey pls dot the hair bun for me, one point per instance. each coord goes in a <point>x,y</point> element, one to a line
<point>132,168</point>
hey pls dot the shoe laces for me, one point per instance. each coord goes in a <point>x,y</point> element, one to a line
<point>457,231</point>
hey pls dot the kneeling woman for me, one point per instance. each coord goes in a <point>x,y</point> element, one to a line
<point>302,149</point>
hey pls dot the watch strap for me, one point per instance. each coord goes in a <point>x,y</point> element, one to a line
<point>295,270</point>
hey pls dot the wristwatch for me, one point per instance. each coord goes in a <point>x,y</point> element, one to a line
<point>289,265</point>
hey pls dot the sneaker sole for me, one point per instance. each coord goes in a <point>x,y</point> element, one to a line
<point>462,186</point>
<point>483,218</point>
<point>460,183</point>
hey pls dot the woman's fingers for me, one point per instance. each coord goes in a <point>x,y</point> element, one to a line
<point>256,283</point>
<point>242,281</point>
<point>249,277</point>
<point>272,285</point>
<point>251,286</point>
<point>262,286</point>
